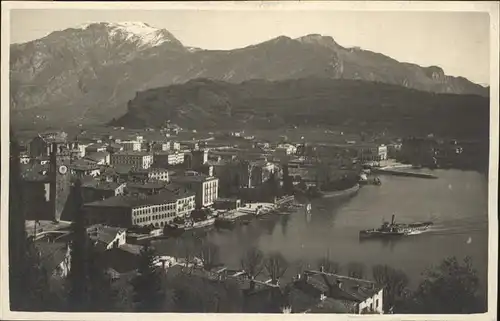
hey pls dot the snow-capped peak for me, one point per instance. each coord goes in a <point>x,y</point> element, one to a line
<point>135,31</point>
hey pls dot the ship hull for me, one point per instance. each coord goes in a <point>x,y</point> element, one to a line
<point>400,230</point>
<point>340,194</point>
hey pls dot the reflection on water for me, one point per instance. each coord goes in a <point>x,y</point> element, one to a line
<point>456,203</point>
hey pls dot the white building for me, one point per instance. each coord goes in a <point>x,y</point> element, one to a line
<point>135,159</point>
<point>205,187</point>
<point>126,211</point>
<point>131,145</point>
<point>372,152</point>
<point>155,174</point>
<point>360,296</point>
<point>168,158</point>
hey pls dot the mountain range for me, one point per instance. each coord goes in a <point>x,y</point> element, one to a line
<point>88,74</point>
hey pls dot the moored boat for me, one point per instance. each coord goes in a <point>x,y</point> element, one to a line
<point>223,222</point>
<point>174,229</point>
<point>342,193</point>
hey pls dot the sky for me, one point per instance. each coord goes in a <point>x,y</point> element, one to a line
<point>458,42</point>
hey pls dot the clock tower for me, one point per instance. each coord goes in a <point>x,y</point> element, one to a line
<point>60,183</point>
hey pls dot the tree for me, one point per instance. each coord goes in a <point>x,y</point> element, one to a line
<point>89,285</point>
<point>276,266</point>
<point>253,264</point>
<point>102,296</point>
<point>209,255</point>
<point>273,185</point>
<point>29,287</point>
<point>287,181</point>
<point>17,231</point>
<point>451,287</point>
<point>78,277</point>
<point>149,293</point>
<point>395,284</point>
<point>356,270</point>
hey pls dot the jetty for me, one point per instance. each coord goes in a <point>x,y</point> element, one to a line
<point>406,173</point>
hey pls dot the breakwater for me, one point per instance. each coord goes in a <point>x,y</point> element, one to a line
<point>405,173</point>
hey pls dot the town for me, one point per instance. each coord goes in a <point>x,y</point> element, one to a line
<point>138,187</point>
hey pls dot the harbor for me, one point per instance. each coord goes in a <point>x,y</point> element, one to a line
<point>332,228</point>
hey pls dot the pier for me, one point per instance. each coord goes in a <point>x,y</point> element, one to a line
<point>405,173</point>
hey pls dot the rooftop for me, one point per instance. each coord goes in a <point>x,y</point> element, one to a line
<point>97,145</point>
<point>51,253</point>
<point>130,201</point>
<point>105,234</point>
<point>147,185</point>
<point>100,185</point>
<point>192,178</point>
<point>97,156</point>
<point>133,153</point>
<point>351,289</point>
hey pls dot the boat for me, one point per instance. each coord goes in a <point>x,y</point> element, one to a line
<point>308,208</point>
<point>377,181</point>
<point>363,178</point>
<point>174,229</point>
<point>394,229</point>
<point>203,223</point>
<point>245,222</point>
<point>342,193</point>
<point>224,222</point>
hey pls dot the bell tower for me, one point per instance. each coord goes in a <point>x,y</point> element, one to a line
<point>60,183</point>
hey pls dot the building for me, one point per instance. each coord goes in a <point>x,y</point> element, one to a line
<point>146,188</point>
<point>94,190</point>
<point>393,150</point>
<point>227,204</point>
<point>114,148</point>
<point>83,167</point>
<point>95,147</point>
<point>418,150</point>
<point>165,159</point>
<point>48,187</point>
<point>260,172</point>
<point>107,237</point>
<point>205,187</point>
<point>127,211</point>
<point>175,146</point>
<point>130,145</point>
<point>233,175</point>
<point>372,152</point>
<point>155,174</point>
<point>356,295</point>
<point>189,145</point>
<point>196,159</point>
<point>41,145</point>
<point>24,159</point>
<point>285,149</point>
<point>161,146</point>
<point>135,159</point>
<point>100,158</point>
<point>36,188</point>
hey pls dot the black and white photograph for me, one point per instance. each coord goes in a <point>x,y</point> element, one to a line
<point>249,158</point>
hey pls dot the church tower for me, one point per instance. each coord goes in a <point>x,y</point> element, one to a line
<point>60,183</point>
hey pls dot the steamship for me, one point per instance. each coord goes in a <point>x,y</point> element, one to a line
<point>396,229</point>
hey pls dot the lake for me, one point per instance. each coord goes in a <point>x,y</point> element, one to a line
<point>456,202</point>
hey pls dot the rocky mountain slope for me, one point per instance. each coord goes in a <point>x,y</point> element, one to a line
<point>88,74</point>
<point>313,102</point>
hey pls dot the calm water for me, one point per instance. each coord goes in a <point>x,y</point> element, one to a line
<point>456,202</point>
